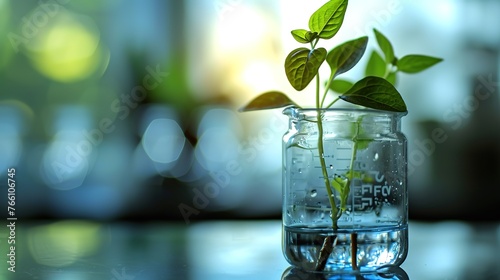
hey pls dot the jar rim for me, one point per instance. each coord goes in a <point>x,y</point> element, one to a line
<point>294,111</point>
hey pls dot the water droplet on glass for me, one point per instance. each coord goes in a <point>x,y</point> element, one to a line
<point>300,170</point>
<point>375,157</point>
<point>331,166</point>
<point>314,193</point>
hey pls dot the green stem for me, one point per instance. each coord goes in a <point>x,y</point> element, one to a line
<point>313,45</point>
<point>326,91</point>
<point>388,71</point>
<point>354,236</point>
<point>333,102</point>
<point>321,150</point>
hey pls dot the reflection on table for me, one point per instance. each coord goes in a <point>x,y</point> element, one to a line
<point>392,273</point>
<point>222,250</point>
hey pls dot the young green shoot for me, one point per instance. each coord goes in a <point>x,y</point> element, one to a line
<point>376,90</point>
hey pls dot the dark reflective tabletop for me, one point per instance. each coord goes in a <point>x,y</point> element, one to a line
<point>69,249</point>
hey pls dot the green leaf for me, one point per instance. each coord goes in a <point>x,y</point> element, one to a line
<point>416,63</point>
<point>376,65</point>
<point>303,36</point>
<point>268,100</point>
<point>363,144</point>
<point>344,57</point>
<point>355,174</point>
<point>302,64</point>
<point>328,19</point>
<point>385,45</point>
<point>341,185</point>
<point>340,86</point>
<point>375,93</point>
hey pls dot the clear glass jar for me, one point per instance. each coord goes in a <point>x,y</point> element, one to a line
<point>356,219</point>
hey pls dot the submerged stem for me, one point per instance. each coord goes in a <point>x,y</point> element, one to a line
<point>325,252</point>
<point>354,251</point>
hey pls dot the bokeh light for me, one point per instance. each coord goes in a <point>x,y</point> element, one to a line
<point>66,160</point>
<point>217,138</point>
<point>163,140</point>
<point>15,118</point>
<point>66,47</point>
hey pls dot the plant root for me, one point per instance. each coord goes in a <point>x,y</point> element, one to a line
<point>354,251</point>
<point>324,253</point>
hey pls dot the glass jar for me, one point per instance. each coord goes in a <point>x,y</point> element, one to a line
<point>345,199</point>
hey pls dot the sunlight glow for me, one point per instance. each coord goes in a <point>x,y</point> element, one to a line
<point>259,76</point>
<point>245,20</point>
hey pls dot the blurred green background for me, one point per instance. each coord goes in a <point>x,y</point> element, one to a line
<point>127,109</point>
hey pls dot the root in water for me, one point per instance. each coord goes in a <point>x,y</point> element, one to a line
<point>328,244</point>
<point>354,251</point>
<point>325,252</point>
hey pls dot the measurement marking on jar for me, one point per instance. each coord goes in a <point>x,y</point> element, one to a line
<point>329,177</point>
<point>332,156</point>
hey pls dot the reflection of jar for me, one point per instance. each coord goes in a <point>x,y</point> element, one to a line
<point>363,155</point>
<point>389,273</point>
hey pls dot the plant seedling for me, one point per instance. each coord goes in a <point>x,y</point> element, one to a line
<point>376,91</point>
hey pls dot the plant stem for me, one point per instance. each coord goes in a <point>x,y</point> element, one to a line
<point>329,241</point>
<point>321,151</point>
<point>334,214</point>
<point>313,45</point>
<point>354,236</point>
<point>354,251</point>
<point>333,102</point>
<point>327,248</point>
<point>326,91</point>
